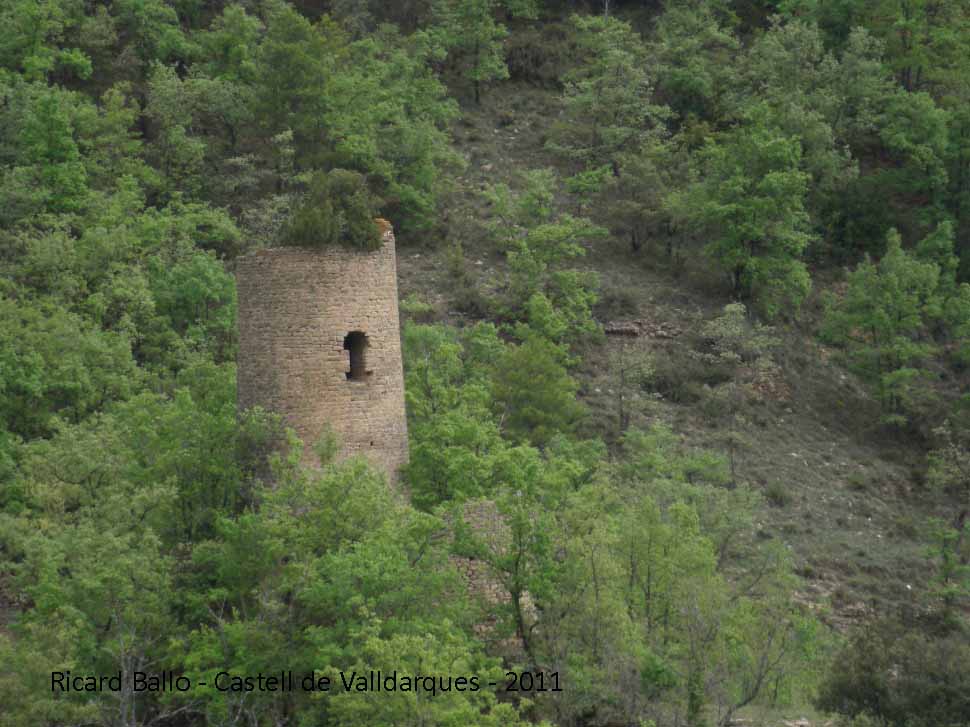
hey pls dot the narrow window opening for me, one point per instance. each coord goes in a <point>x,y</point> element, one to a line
<point>355,343</point>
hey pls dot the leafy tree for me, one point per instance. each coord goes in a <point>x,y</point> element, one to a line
<point>56,365</point>
<point>455,437</point>
<point>361,17</point>
<point>656,459</point>
<point>949,311</point>
<point>111,149</point>
<point>370,106</point>
<point>463,391</point>
<point>848,97</point>
<point>682,494</point>
<point>151,32</point>
<point>417,654</point>
<point>192,442</point>
<point>103,603</point>
<point>803,87</point>
<point>535,394</point>
<point>949,470</point>
<point>51,149</point>
<point>926,42</point>
<point>694,53</point>
<point>880,320</point>
<point>607,102</point>
<point>625,571</point>
<point>178,154</point>
<point>35,34</point>
<point>751,199</point>
<point>950,584</point>
<point>637,202</point>
<point>553,300</point>
<point>733,339</point>
<point>200,123</point>
<point>230,45</point>
<point>367,580</point>
<point>198,298</point>
<point>469,27</point>
<point>914,129</point>
<point>631,370</point>
<point>586,184</point>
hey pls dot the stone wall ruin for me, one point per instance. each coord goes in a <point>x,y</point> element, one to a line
<point>320,344</point>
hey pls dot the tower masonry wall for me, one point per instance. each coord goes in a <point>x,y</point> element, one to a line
<point>301,315</point>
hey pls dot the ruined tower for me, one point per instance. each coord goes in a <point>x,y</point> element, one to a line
<point>320,344</point>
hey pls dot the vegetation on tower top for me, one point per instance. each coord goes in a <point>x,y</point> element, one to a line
<point>337,209</point>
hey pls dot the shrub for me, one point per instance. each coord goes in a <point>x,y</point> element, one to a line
<point>337,209</point>
<point>778,495</point>
<point>858,481</point>
<point>731,339</point>
<point>900,677</point>
<point>616,303</point>
<point>679,378</point>
<point>538,55</point>
<point>417,309</point>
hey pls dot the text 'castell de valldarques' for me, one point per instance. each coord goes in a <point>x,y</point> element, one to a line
<point>320,344</point>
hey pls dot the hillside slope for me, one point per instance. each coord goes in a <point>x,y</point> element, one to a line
<point>843,494</point>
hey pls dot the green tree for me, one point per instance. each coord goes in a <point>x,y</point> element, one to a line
<point>332,573</point>
<point>949,470</point>
<point>554,300</point>
<point>370,106</point>
<point>57,365</point>
<point>607,101</point>
<point>926,42</point>
<point>803,87</point>
<point>750,197</point>
<point>231,43</point>
<point>35,34</point>
<point>152,32</point>
<point>102,603</point>
<point>879,322</point>
<point>468,28</point>
<point>635,203</point>
<point>694,53</point>
<point>899,676</point>
<point>49,146</point>
<point>420,654</point>
<point>455,437</point>
<point>535,395</point>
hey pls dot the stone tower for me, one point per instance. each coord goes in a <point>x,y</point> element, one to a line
<point>320,344</point>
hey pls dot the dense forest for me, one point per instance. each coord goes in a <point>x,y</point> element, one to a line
<point>778,189</point>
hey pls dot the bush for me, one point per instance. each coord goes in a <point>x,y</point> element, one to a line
<point>905,526</point>
<point>901,677</point>
<point>679,378</point>
<point>858,481</point>
<point>337,209</point>
<point>538,55</point>
<point>778,495</point>
<point>417,309</point>
<point>617,303</point>
<point>731,339</point>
